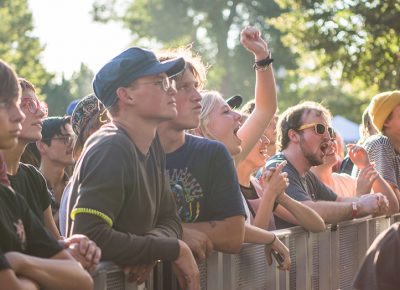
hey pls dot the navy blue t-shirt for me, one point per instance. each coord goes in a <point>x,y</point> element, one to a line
<point>301,188</point>
<point>204,181</point>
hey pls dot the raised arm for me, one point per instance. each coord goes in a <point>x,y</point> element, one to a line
<point>359,156</point>
<point>265,93</point>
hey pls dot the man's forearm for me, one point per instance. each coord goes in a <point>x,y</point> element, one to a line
<point>226,235</point>
<point>51,273</point>
<point>305,215</point>
<point>332,212</point>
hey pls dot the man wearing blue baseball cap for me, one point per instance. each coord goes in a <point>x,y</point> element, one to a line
<point>124,202</point>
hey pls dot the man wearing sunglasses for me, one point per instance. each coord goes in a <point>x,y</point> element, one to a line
<point>55,149</point>
<point>124,200</point>
<point>304,138</point>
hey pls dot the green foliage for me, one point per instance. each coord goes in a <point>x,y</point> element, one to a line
<point>207,24</point>
<point>17,45</point>
<point>358,38</point>
<point>60,95</point>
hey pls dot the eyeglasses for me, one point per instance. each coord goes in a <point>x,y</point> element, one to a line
<point>34,105</point>
<point>165,83</point>
<point>66,139</point>
<point>319,128</point>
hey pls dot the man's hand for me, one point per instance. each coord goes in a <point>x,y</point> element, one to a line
<point>251,40</point>
<point>186,269</point>
<point>358,155</point>
<point>376,204</point>
<point>366,179</point>
<point>84,251</point>
<point>282,250</point>
<point>139,273</point>
<point>198,242</point>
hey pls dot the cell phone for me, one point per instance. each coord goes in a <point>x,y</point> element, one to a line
<point>278,257</point>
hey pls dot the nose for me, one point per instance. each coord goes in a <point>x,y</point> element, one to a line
<point>236,116</point>
<point>196,97</point>
<point>17,115</point>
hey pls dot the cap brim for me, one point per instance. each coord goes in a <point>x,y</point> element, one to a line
<point>170,67</point>
<point>235,101</point>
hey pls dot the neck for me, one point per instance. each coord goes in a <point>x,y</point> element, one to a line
<point>171,138</point>
<point>142,132</point>
<point>244,171</point>
<point>324,173</point>
<point>53,173</point>
<point>12,157</point>
<point>294,155</point>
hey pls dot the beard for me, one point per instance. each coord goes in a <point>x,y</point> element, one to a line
<point>311,157</point>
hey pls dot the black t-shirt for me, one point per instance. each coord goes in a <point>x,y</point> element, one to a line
<point>204,181</point>
<point>124,202</point>
<point>30,183</point>
<point>21,230</point>
<point>301,188</point>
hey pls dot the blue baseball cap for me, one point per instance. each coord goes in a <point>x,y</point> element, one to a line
<point>71,107</point>
<point>128,66</point>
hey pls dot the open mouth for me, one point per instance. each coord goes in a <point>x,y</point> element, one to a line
<point>264,152</point>
<point>324,148</point>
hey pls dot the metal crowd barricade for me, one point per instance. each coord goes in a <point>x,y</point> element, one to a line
<point>326,260</point>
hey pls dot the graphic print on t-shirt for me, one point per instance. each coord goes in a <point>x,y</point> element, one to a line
<point>188,194</point>
<point>20,231</point>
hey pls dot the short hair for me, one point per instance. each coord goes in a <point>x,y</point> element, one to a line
<point>9,87</point>
<point>26,85</point>
<point>248,108</point>
<point>193,63</point>
<point>52,127</point>
<point>291,119</point>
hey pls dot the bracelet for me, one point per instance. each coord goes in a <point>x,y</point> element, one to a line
<point>273,241</point>
<point>263,64</point>
<point>354,210</point>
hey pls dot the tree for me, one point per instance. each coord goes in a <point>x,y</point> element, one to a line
<point>17,44</point>
<point>60,95</point>
<point>212,25</point>
<point>359,39</point>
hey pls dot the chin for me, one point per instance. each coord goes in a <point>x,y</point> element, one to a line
<point>9,144</point>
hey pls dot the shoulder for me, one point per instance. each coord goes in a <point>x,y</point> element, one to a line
<point>31,171</point>
<point>377,140</point>
<point>205,146</point>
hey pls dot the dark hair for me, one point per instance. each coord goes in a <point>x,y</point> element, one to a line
<point>9,87</point>
<point>248,108</point>
<point>31,155</point>
<point>291,119</point>
<point>52,127</point>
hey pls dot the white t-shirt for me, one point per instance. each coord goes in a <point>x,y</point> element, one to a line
<point>344,185</point>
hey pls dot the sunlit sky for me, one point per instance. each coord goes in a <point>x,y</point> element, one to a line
<point>70,37</point>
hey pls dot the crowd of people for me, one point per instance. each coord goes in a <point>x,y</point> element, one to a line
<point>152,166</point>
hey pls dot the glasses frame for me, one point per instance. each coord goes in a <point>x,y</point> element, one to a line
<point>67,139</point>
<point>34,105</point>
<point>164,83</point>
<point>330,130</point>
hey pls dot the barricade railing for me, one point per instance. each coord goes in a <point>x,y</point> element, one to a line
<point>325,260</point>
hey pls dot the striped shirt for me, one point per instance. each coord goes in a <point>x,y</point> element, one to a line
<point>386,159</point>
